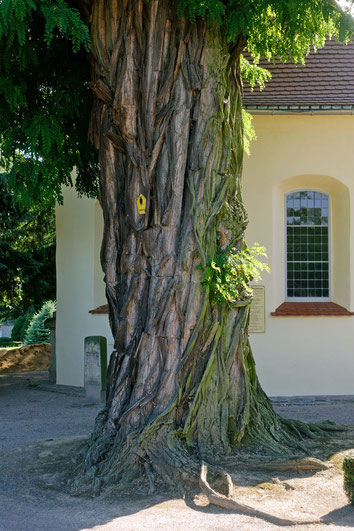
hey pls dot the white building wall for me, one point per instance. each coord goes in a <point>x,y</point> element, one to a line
<point>6,329</point>
<point>313,354</point>
<point>80,286</point>
<point>295,355</point>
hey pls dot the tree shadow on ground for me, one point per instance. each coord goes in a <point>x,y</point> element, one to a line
<point>33,494</point>
<point>344,516</point>
<point>43,465</point>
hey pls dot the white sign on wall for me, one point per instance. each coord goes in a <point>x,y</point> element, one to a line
<point>257,311</point>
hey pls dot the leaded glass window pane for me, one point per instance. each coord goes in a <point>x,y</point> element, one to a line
<point>307,214</point>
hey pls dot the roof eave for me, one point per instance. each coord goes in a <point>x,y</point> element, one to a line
<point>300,109</point>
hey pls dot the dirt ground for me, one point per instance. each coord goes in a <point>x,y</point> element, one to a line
<point>42,431</point>
<point>25,359</point>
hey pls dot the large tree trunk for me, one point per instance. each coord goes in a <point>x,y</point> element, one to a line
<point>182,386</point>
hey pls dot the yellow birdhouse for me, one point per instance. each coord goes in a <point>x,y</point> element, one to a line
<point>141,204</point>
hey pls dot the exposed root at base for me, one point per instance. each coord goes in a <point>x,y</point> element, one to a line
<point>150,478</point>
<point>227,503</point>
<point>295,465</point>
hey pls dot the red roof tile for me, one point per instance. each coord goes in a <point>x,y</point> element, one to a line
<point>326,79</point>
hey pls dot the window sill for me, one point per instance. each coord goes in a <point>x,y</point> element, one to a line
<point>310,308</point>
<point>100,310</point>
<point>284,310</point>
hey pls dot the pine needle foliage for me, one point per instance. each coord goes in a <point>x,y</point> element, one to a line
<point>16,331</point>
<point>28,318</point>
<point>254,74</point>
<point>283,28</point>
<point>37,331</point>
<point>27,254</point>
<point>45,100</point>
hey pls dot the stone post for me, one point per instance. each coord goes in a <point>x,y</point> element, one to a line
<point>95,367</point>
<point>51,324</point>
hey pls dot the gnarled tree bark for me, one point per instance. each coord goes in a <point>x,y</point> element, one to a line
<point>167,121</point>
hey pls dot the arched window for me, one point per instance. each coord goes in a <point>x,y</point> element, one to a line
<point>307,247</point>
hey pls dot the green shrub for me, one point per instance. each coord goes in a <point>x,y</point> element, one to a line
<point>28,318</point>
<point>16,331</point>
<point>8,342</point>
<point>348,468</point>
<point>37,332</point>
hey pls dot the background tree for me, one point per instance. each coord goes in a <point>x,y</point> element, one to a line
<point>27,254</point>
<point>166,121</point>
<point>37,332</point>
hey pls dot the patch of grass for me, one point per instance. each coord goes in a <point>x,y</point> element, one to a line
<point>6,342</point>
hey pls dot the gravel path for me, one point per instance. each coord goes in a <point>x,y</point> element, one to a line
<point>29,415</point>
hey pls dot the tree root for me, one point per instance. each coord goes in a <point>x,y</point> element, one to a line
<point>305,464</point>
<point>226,502</point>
<point>150,477</point>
